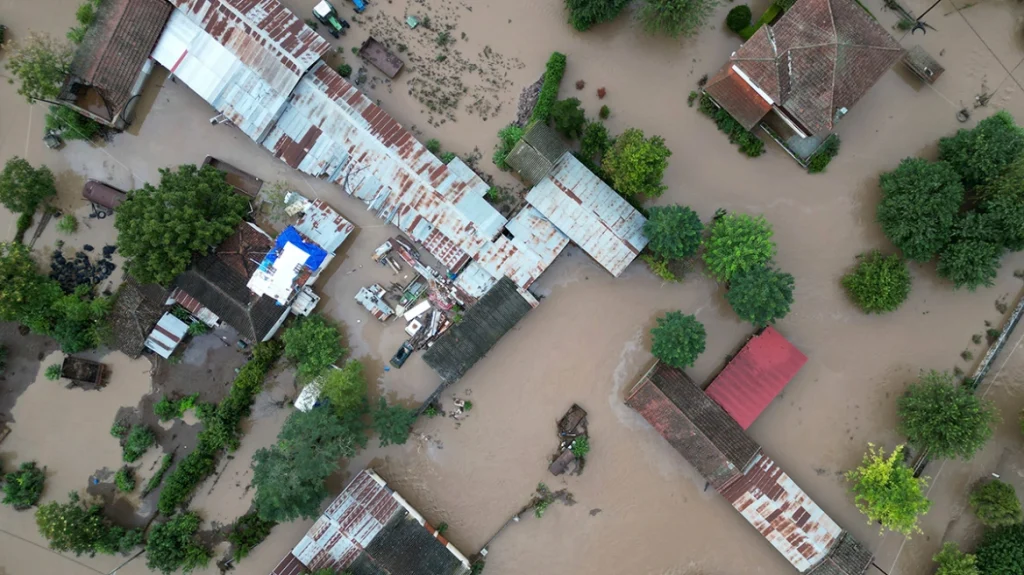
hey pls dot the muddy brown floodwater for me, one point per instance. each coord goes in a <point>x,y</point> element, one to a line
<point>640,508</point>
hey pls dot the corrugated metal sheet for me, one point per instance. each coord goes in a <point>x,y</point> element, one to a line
<point>776,506</point>
<point>324,226</point>
<point>757,374</point>
<point>372,298</point>
<point>166,335</point>
<point>591,214</point>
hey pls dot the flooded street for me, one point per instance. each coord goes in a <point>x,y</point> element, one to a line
<point>641,509</point>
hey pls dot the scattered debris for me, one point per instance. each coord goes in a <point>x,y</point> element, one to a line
<point>81,270</point>
<point>574,443</point>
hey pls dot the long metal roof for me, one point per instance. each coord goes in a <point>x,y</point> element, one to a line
<point>591,214</point>
<point>324,226</point>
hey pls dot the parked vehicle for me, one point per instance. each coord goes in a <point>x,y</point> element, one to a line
<point>360,5</point>
<point>104,198</point>
<point>402,355</point>
<point>325,13</point>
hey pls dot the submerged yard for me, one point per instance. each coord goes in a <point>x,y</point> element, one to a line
<point>640,508</point>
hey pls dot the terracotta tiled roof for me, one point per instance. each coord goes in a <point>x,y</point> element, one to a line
<point>821,56</point>
<point>735,95</point>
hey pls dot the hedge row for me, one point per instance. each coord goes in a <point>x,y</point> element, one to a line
<point>749,144</point>
<point>221,428</point>
<point>549,91</point>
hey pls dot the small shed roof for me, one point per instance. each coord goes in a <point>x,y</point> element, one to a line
<point>694,425</point>
<point>166,335</point>
<point>324,226</point>
<point>536,153</point>
<point>847,557</point>
<point>756,375</point>
<point>136,310</point>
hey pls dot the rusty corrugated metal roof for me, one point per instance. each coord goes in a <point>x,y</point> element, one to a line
<point>756,375</point>
<point>324,226</point>
<point>591,214</point>
<point>786,516</point>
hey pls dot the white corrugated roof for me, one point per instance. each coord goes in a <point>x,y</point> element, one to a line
<point>166,336</point>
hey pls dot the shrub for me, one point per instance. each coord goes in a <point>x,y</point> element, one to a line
<point>313,343</point>
<point>738,18</point>
<point>878,284</point>
<point>124,479</point>
<point>580,447</point>
<point>675,17</point>
<point>659,267</point>
<point>887,492</point>
<point>678,339</point>
<point>920,200</point>
<point>248,532</point>
<point>508,137</point>
<point>568,117</point>
<point>604,112</point>
<point>760,295</point>
<point>447,157</point>
<point>738,242</point>
<point>1002,551</point>
<point>821,157</point>
<point>549,90</point>
<point>80,528</point>
<point>52,372</point>
<point>595,141</point>
<point>139,439</point>
<point>68,224</point>
<point>952,561</point>
<point>673,232</point>
<point>970,263</point>
<point>172,546</point>
<point>433,146</point>
<point>118,429</point>
<point>946,419</point>
<point>392,423</point>
<point>345,70</point>
<point>71,125</point>
<point>996,504</point>
<point>636,164</point>
<point>586,13</point>
<point>23,187</point>
<point>749,144</point>
<point>154,481</point>
<point>40,63</point>
<point>198,328</point>
<point>980,155</point>
<point>345,388</point>
<point>24,487</point>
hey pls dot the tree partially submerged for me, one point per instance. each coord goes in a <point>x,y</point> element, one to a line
<point>946,419</point>
<point>568,117</point>
<point>392,423</point>
<point>920,200</point>
<point>953,561</point>
<point>737,243</point>
<point>40,63</point>
<point>1002,551</point>
<point>761,295</point>
<point>878,284</point>
<point>979,155</point>
<point>887,492</point>
<point>161,228</point>
<point>583,14</point>
<point>635,164</point>
<point>678,339</point>
<point>675,17</point>
<point>313,343</point>
<point>173,546</point>
<point>996,504</point>
<point>673,232</point>
<point>81,528</point>
<point>345,388</point>
<point>24,487</point>
<point>970,263</point>
<point>23,187</point>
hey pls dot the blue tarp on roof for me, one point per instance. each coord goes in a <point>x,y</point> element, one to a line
<point>317,255</point>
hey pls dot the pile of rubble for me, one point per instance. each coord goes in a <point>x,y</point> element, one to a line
<point>81,270</point>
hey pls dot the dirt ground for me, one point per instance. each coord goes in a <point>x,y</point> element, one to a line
<point>641,508</point>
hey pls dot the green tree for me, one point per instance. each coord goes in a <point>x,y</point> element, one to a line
<point>586,13</point>
<point>247,532</point>
<point>673,232</point>
<point>392,423</point>
<point>24,487</point>
<point>312,343</point>
<point>1002,551</point>
<point>508,137</point>
<point>139,440</point>
<point>71,125</point>
<point>996,504</point>
<point>981,154</point>
<point>594,143</point>
<point>40,64</point>
<point>946,419</point>
<point>920,200</point>
<point>345,388</point>
<point>952,561</point>
<point>23,188</point>
<point>675,17</point>
<point>738,242</point>
<point>760,295</point>
<point>290,477</point>
<point>738,18</point>
<point>25,295</point>
<point>172,545</point>
<point>970,263</point>
<point>124,479</point>
<point>678,339</point>
<point>1003,203</point>
<point>160,228</point>
<point>635,164</point>
<point>569,117</point>
<point>878,284</point>
<point>887,492</point>
<point>79,528</point>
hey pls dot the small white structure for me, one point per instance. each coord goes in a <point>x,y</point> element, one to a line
<point>166,336</point>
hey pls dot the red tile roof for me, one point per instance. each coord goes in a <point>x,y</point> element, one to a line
<point>737,97</point>
<point>756,375</point>
<point>821,56</point>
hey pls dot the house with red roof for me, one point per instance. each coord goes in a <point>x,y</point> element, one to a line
<point>797,77</point>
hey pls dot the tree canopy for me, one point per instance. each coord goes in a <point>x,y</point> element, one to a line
<point>23,488</point>
<point>160,228</point>
<point>23,188</point>
<point>40,63</point>
<point>673,232</point>
<point>568,117</point>
<point>345,388</point>
<point>172,545</point>
<point>878,284</point>
<point>738,242</point>
<point>947,419</point>
<point>594,144</point>
<point>79,528</point>
<point>1002,551</point>
<point>952,561</point>
<point>979,155</point>
<point>313,343</point>
<point>635,164</point>
<point>71,125</point>
<point>675,17</point>
<point>760,295</point>
<point>920,200</point>
<point>586,13</point>
<point>678,339</point>
<point>392,423</point>
<point>887,492</point>
<point>996,504</point>
<point>970,263</point>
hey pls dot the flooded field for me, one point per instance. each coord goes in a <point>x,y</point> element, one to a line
<point>641,508</point>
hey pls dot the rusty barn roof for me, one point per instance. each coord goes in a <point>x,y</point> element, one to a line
<point>756,375</point>
<point>324,226</point>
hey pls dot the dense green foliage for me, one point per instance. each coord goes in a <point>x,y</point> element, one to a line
<point>158,477</point>
<point>508,137</point>
<point>821,157</point>
<point>737,243</point>
<point>586,13</point>
<point>139,440</point>
<point>124,479</point>
<point>39,63</point>
<point>247,532</point>
<point>221,428</point>
<point>24,487</point>
<point>594,143</point>
<point>172,545</point>
<point>673,232</point>
<point>738,18</point>
<point>970,263</point>
<point>635,164</point>
<point>392,423</point>
<point>553,73</point>
<point>67,224</point>
<point>85,15</point>
<point>678,339</point>
<point>580,447</point>
<point>952,561</point>
<point>345,388</point>
<point>71,125</point>
<point>21,227</point>
<point>675,17</point>
<point>433,146</point>
<point>568,117</point>
<point>23,188</point>
<point>878,284</point>
<point>887,492</point>
<point>946,419</point>
<point>161,228</point>
<point>749,144</point>
<point>52,372</point>
<point>313,344</point>
<point>979,155</point>
<point>920,200</point>
<point>1002,551</point>
<point>290,476</point>
<point>760,295</point>
<point>996,504</point>
<point>167,409</point>
<point>80,528</point>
